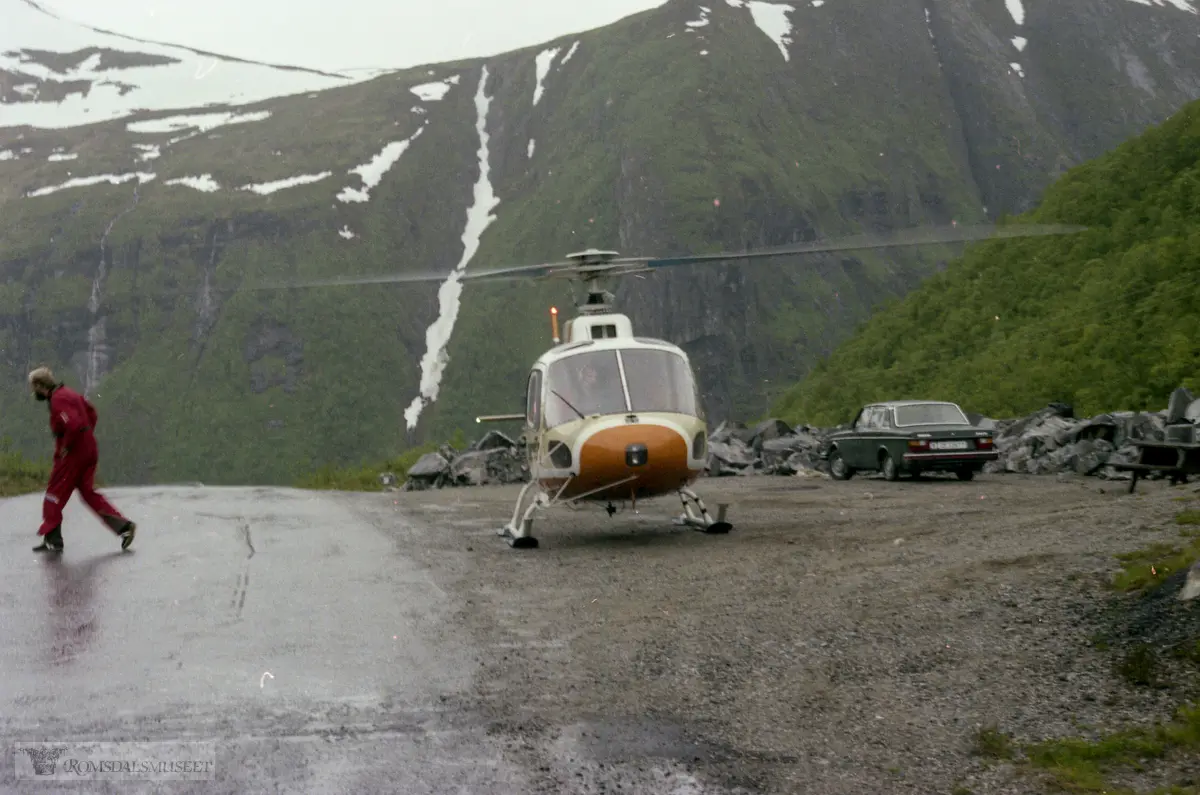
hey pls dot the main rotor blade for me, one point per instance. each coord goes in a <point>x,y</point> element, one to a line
<point>906,237</point>
<point>518,271</point>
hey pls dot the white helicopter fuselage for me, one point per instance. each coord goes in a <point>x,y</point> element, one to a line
<point>611,416</point>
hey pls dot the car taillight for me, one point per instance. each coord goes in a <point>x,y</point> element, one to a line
<point>918,444</point>
<point>984,444</point>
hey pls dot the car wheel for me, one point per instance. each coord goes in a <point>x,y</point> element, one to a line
<point>838,467</point>
<point>888,466</point>
<point>966,474</point>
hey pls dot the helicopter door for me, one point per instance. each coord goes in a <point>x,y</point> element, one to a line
<point>533,416</point>
<point>533,401</point>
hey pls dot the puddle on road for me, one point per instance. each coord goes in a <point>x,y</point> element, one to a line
<point>616,740</point>
<point>633,755</point>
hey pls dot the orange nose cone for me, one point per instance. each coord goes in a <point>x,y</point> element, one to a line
<point>657,456</point>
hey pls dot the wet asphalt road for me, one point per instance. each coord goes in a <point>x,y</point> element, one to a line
<point>296,634</point>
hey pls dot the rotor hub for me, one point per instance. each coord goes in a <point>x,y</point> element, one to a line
<point>592,256</point>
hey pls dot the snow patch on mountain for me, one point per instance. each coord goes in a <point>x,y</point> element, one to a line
<point>264,188</point>
<point>771,19</point>
<point>373,171</point>
<point>1019,42</point>
<point>702,21</point>
<point>204,183</point>
<point>570,52</point>
<point>82,182</point>
<point>121,76</point>
<point>1016,10</point>
<point>529,152</point>
<point>148,151</point>
<point>1182,5</point>
<point>479,218</point>
<point>198,123</point>
<point>432,92</point>
<point>542,64</point>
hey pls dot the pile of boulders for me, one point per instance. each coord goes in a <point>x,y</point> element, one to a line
<point>493,459</point>
<point>769,448</point>
<point>1049,441</point>
<point>1053,440</point>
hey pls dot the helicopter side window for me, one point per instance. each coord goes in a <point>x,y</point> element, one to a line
<point>533,400</point>
<point>659,381</point>
<point>583,384</point>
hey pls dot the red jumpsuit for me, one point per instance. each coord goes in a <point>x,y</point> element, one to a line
<point>72,419</point>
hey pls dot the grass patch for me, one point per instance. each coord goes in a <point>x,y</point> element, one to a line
<point>20,475</point>
<point>1077,764</point>
<point>1153,631</point>
<point>364,477</point>
<point>1081,764</point>
<point>1146,569</point>
<point>1140,666</point>
<point>992,743</point>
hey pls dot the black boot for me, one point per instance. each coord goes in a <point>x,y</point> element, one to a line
<point>51,542</point>
<point>123,528</point>
<point>127,534</point>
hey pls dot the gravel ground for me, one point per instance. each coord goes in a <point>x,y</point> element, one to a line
<point>844,638</point>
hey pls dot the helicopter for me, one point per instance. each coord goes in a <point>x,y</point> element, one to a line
<point>614,416</point>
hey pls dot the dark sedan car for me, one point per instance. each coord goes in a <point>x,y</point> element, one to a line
<point>910,436</point>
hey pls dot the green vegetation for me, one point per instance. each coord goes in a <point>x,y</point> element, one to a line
<point>1078,764</point>
<point>1105,320</point>
<point>20,475</point>
<point>1100,761</point>
<point>1146,569</point>
<point>992,743</point>
<point>366,476</point>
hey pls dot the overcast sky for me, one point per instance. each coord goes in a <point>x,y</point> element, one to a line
<point>349,34</point>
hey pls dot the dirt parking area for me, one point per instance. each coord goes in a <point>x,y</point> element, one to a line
<point>846,637</point>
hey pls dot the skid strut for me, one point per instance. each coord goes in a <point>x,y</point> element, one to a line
<point>702,520</point>
<point>518,535</point>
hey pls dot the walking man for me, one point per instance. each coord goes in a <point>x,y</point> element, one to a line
<point>72,420</point>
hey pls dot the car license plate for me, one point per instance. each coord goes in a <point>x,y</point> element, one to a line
<point>958,445</point>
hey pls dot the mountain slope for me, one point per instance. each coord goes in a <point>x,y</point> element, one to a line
<point>57,74</point>
<point>695,126</point>
<point>1104,320</point>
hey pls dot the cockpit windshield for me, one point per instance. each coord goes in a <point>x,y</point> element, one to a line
<point>582,385</point>
<point>590,383</point>
<point>659,381</point>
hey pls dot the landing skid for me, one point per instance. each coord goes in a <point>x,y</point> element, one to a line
<point>518,531</point>
<point>518,535</point>
<point>702,521</point>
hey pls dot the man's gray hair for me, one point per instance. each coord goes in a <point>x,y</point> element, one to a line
<point>43,377</point>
